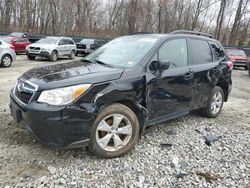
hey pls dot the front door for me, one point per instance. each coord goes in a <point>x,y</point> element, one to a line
<point>169,93</point>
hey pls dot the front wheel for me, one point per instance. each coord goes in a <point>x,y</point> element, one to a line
<point>72,55</point>
<point>53,56</point>
<point>215,103</point>
<point>115,131</point>
<point>31,57</point>
<point>6,61</point>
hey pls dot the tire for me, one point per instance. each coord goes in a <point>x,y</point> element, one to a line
<point>77,53</point>
<point>31,57</point>
<point>72,55</point>
<point>53,56</point>
<point>212,110</point>
<point>128,136</point>
<point>6,61</point>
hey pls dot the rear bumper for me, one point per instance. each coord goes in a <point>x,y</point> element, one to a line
<point>66,127</point>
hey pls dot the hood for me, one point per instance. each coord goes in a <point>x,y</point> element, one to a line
<point>41,45</point>
<point>238,57</point>
<point>70,73</point>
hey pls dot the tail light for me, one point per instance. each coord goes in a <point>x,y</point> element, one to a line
<point>230,65</point>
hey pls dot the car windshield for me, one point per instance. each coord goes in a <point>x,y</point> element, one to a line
<point>48,40</point>
<point>235,53</point>
<point>123,52</point>
<point>6,39</point>
<point>87,41</point>
<point>16,34</point>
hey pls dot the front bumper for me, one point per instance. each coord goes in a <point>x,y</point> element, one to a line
<point>240,63</point>
<point>65,127</point>
<point>40,53</point>
<point>84,51</point>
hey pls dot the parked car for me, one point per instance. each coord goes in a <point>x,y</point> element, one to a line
<point>19,34</point>
<point>106,100</point>
<point>87,46</point>
<point>18,43</point>
<point>238,57</point>
<point>52,47</point>
<point>7,54</point>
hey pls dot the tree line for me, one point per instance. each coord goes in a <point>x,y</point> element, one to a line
<point>227,20</point>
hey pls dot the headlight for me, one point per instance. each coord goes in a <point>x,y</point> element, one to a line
<point>46,49</point>
<point>64,95</point>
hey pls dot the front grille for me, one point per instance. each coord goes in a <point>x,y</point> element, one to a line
<point>23,96</point>
<point>24,91</point>
<point>81,46</point>
<point>35,48</point>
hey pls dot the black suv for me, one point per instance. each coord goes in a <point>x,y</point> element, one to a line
<point>87,46</point>
<point>107,99</point>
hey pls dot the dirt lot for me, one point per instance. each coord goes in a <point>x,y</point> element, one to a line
<point>24,161</point>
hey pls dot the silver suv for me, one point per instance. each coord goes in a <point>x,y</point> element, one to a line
<point>52,47</point>
<point>7,54</point>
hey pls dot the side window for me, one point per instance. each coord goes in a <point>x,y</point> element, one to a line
<point>61,42</point>
<point>217,50</point>
<point>174,51</point>
<point>69,42</point>
<point>200,52</point>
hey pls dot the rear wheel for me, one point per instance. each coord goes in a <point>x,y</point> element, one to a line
<point>6,61</point>
<point>215,103</point>
<point>53,56</point>
<point>115,131</point>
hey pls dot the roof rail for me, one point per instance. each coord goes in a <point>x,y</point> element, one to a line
<point>192,32</point>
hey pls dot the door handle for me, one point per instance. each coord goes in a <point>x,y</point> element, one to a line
<point>189,75</point>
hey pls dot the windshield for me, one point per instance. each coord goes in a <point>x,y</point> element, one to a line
<point>6,39</point>
<point>87,41</point>
<point>235,53</point>
<point>123,52</point>
<point>16,34</point>
<point>48,40</point>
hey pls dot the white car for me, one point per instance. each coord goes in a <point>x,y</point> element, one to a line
<point>52,47</point>
<point>7,54</point>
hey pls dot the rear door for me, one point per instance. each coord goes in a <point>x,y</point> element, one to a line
<point>205,69</point>
<point>62,50</point>
<point>169,94</point>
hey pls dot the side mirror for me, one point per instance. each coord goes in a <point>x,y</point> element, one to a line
<point>157,66</point>
<point>164,65</point>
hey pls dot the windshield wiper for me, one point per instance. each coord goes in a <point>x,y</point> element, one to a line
<point>102,63</point>
<point>87,60</point>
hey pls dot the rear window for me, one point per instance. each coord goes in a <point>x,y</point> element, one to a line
<point>218,52</point>
<point>200,52</point>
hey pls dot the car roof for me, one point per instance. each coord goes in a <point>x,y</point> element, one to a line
<point>170,35</point>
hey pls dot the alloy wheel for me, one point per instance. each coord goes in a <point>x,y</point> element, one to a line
<point>113,132</point>
<point>6,61</point>
<point>216,103</point>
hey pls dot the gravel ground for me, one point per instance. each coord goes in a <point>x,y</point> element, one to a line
<point>191,151</point>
